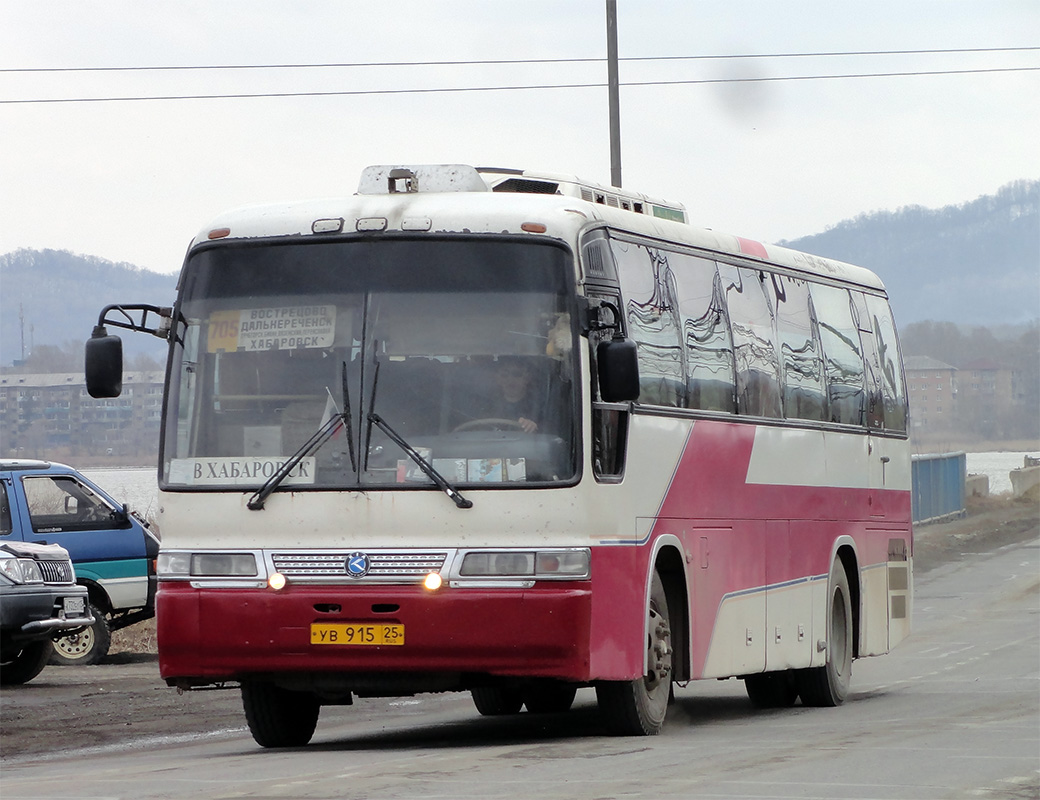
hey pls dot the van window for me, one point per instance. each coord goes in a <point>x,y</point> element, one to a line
<point>61,503</point>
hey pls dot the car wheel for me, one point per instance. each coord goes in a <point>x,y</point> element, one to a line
<point>25,664</point>
<point>89,646</point>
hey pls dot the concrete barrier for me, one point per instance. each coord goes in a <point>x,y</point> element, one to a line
<point>1025,482</point>
<point>976,486</point>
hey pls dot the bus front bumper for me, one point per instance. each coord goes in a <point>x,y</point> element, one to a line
<point>221,634</point>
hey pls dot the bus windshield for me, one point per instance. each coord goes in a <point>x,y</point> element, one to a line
<point>463,347</point>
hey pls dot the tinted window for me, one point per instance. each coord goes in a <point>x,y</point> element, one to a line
<point>705,334</point>
<point>889,364</point>
<point>751,317</point>
<point>652,319</point>
<point>843,359</point>
<point>804,389</point>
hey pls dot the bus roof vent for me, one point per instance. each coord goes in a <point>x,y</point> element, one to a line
<point>514,180</point>
<point>411,179</point>
<point>527,186</point>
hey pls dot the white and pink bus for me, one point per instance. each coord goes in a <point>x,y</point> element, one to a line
<point>510,433</point>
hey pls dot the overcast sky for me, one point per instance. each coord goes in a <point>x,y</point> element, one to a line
<point>135,180</point>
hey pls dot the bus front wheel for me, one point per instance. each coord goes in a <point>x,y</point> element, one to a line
<point>497,701</point>
<point>829,685</point>
<point>638,707</point>
<point>279,717</point>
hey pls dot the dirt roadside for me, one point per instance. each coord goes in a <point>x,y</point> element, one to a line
<point>124,700</point>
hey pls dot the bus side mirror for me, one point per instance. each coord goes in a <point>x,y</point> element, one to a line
<point>618,369</point>
<point>103,364</point>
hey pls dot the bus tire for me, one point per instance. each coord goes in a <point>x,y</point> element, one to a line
<point>22,664</point>
<point>553,698</point>
<point>87,647</point>
<point>828,686</point>
<point>638,707</point>
<point>279,717</point>
<point>772,689</point>
<point>497,701</point>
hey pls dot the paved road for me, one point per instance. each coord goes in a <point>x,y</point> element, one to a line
<point>952,713</point>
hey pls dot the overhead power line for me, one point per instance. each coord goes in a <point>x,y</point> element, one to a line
<point>496,62</point>
<point>544,86</point>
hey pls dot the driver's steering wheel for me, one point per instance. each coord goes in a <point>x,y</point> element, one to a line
<point>489,424</point>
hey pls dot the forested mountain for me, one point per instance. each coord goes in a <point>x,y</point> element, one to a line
<point>53,298</point>
<point>976,264</point>
<point>971,264</point>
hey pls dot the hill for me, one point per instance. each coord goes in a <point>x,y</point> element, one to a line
<point>59,296</point>
<point>973,264</point>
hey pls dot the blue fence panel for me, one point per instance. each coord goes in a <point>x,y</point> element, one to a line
<point>938,486</point>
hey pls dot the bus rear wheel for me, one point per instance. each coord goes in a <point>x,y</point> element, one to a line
<point>638,707</point>
<point>279,717</point>
<point>828,686</point>
<point>772,689</point>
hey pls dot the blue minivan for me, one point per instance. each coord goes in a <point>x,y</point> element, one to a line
<point>113,549</point>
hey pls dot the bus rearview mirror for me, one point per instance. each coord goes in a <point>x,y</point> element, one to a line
<point>618,370</point>
<point>103,364</point>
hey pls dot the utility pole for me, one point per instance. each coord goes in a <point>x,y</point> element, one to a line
<point>612,89</point>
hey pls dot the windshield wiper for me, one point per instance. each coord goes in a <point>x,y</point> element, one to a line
<point>421,462</point>
<point>327,430</point>
<point>322,435</point>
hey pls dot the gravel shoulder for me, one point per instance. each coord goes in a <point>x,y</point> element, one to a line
<point>123,701</point>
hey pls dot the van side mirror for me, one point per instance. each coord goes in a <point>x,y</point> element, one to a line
<point>618,367</point>
<point>103,364</point>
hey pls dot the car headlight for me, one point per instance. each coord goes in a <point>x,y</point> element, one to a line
<point>558,564</point>
<point>21,570</point>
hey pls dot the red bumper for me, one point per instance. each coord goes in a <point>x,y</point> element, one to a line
<point>228,634</point>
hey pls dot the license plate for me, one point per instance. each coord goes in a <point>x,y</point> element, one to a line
<point>347,633</point>
<point>74,606</point>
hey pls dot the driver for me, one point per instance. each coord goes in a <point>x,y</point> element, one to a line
<point>513,396</point>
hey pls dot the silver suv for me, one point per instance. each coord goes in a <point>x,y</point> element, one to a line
<point>39,601</point>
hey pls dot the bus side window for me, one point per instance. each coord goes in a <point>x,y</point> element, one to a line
<point>842,352</point>
<point>801,359</point>
<point>652,317</point>
<point>706,336</point>
<point>754,334</point>
<point>893,389</point>
<point>875,403</point>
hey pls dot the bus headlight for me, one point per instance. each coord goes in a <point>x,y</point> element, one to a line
<point>239,565</point>
<point>209,565</point>
<point>559,564</point>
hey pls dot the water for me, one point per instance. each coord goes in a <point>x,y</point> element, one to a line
<point>137,485</point>
<point>996,467</point>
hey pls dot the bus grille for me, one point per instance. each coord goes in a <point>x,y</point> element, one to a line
<point>332,567</point>
<point>56,571</point>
